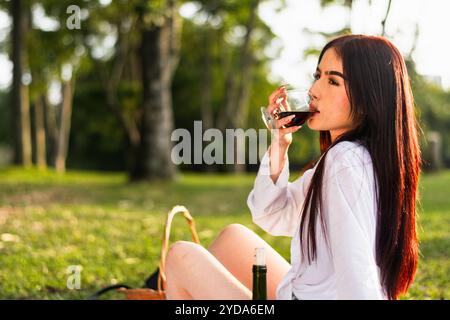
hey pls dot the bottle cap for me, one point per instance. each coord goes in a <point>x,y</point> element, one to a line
<point>260,257</point>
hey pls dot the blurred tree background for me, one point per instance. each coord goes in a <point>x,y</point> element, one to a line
<point>126,73</point>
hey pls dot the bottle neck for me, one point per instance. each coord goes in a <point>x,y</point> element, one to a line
<point>258,268</point>
<point>259,282</point>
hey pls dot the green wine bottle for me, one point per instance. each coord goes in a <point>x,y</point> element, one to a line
<point>259,275</point>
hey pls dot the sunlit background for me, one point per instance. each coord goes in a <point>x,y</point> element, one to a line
<point>86,174</point>
<point>296,22</point>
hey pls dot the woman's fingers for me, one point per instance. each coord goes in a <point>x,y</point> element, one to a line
<point>276,100</point>
<point>284,134</point>
<point>275,94</point>
<point>280,123</point>
<point>285,104</point>
<point>285,131</point>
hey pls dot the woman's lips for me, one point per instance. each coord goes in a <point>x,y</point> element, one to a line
<point>314,108</point>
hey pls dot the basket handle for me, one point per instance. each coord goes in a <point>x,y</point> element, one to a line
<point>165,243</point>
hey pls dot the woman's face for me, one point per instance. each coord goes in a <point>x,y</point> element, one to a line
<point>329,97</point>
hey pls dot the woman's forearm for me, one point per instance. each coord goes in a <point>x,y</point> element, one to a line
<point>278,155</point>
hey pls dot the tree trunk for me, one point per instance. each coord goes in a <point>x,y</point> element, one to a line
<point>207,87</point>
<point>20,101</point>
<point>435,151</point>
<point>64,129</point>
<point>26,126</point>
<point>206,91</point>
<point>159,58</point>
<point>40,133</point>
<point>52,130</point>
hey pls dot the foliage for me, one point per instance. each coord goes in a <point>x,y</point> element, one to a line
<point>433,105</point>
<point>95,140</point>
<point>98,140</point>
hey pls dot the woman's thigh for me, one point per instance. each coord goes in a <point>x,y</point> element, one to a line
<point>193,269</point>
<point>235,247</point>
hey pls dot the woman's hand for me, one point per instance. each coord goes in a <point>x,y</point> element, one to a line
<point>277,103</point>
<point>281,136</point>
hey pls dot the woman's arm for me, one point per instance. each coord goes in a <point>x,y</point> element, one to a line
<point>278,157</point>
<point>275,204</point>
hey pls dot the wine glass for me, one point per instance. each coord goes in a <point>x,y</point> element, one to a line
<point>298,101</point>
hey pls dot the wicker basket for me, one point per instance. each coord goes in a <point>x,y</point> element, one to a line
<point>160,294</point>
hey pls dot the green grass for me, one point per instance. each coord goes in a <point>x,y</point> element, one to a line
<point>113,229</point>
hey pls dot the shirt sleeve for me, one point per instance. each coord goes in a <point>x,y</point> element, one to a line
<point>350,212</point>
<point>276,207</point>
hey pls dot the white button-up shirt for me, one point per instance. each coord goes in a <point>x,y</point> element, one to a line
<point>346,268</point>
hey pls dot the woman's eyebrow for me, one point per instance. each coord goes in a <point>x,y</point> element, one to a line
<point>336,73</point>
<point>333,72</point>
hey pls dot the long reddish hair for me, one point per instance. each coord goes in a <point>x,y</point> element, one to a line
<point>382,106</point>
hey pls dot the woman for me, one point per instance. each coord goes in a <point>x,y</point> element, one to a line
<point>351,216</point>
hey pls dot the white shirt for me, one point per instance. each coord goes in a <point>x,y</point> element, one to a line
<point>347,268</point>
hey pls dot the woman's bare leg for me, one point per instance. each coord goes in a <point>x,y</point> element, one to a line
<point>194,273</point>
<point>235,248</point>
<point>224,270</point>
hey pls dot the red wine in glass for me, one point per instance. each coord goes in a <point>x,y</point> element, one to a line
<point>298,101</point>
<point>299,119</point>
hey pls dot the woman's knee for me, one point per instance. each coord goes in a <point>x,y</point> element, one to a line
<point>181,252</point>
<point>235,231</point>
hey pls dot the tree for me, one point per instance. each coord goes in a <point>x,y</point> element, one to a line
<point>60,65</point>
<point>40,136</point>
<point>159,53</point>
<point>64,126</point>
<point>20,103</point>
<point>118,69</point>
<point>147,42</point>
<point>226,39</point>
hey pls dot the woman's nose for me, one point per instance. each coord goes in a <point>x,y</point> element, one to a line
<point>312,93</point>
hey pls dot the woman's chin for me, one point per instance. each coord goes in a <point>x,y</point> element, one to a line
<point>315,127</point>
<point>312,125</point>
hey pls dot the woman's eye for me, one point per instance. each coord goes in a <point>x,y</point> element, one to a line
<point>316,76</point>
<point>332,82</point>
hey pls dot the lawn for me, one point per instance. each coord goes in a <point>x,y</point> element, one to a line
<point>113,229</point>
